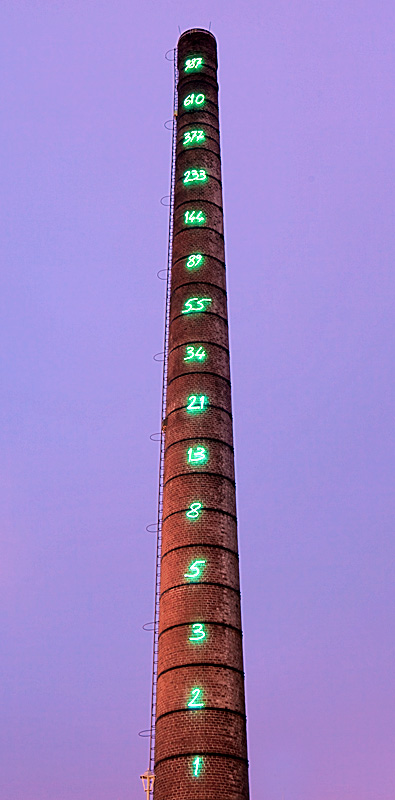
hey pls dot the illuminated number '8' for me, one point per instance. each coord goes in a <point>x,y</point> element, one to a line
<point>194,510</point>
<point>194,100</point>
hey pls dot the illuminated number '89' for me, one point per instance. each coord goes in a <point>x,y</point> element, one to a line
<point>194,261</point>
<point>194,100</point>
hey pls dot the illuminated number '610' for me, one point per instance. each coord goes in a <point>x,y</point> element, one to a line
<point>195,304</point>
<point>194,217</point>
<point>194,100</point>
<point>193,137</point>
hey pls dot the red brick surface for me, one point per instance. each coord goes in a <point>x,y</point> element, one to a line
<point>218,731</point>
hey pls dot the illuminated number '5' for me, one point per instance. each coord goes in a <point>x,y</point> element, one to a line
<point>195,569</point>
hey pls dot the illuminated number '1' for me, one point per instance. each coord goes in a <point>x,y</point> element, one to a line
<point>195,354</point>
<point>196,700</point>
<point>197,764</point>
<point>197,455</point>
<point>196,403</point>
<point>193,137</point>
<point>194,261</point>
<point>194,510</point>
<point>196,304</point>
<point>194,218</point>
<point>195,570</point>
<point>198,632</point>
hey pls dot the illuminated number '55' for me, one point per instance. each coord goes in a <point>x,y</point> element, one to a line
<point>195,304</point>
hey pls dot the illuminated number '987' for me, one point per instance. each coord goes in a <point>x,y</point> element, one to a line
<point>193,63</point>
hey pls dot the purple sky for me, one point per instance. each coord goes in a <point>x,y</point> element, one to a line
<point>306,96</point>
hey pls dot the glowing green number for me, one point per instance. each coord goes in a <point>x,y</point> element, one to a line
<point>194,100</point>
<point>198,632</point>
<point>196,403</point>
<point>197,455</point>
<point>194,218</point>
<point>196,304</point>
<point>197,764</point>
<point>195,570</point>
<point>194,510</point>
<point>194,261</point>
<point>193,63</point>
<point>195,353</point>
<point>194,175</point>
<point>196,700</point>
<point>193,137</point>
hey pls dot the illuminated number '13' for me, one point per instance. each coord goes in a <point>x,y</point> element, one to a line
<point>197,455</point>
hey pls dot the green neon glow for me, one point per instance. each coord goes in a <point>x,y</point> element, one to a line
<point>196,304</point>
<point>198,632</point>
<point>193,63</point>
<point>197,764</point>
<point>197,403</point>
<point>194,261</point>
<point>194,510</point>
<point>196,700</point>
<point>193,99</point>
<point>194,217</point>
<point>193,137</point>
<point>197,455</point>
<point>193,353</point>
<point>195,176</point>
<point>195,569</point>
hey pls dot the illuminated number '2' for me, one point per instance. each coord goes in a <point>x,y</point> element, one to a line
<point>196,700</point>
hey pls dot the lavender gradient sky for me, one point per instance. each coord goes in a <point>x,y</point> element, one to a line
<point>306,93</point>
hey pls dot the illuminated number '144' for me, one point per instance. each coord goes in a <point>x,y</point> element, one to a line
<point>194,218</point>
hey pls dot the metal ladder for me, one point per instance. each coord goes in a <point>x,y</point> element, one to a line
<point>163,431</point>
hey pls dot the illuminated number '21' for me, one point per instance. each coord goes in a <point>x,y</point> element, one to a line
<point>196,403</point>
